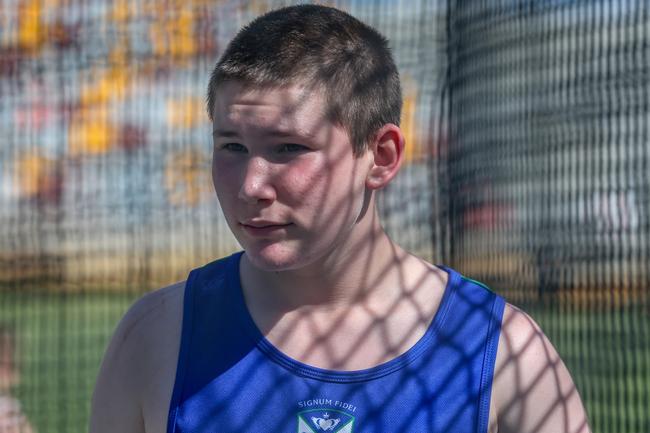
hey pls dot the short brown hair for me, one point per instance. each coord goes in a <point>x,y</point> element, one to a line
<point>350,60</point>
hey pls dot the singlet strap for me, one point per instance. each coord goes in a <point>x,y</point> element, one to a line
<point>489,361</point>
<point>183,351</point>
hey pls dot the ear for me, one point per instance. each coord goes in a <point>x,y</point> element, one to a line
<point>388,152</point>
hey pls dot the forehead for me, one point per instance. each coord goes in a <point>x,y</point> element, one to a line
<point>278,106</point>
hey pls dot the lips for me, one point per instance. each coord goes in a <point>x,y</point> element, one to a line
<point>263,228</point>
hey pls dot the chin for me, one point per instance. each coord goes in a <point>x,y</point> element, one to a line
<point>274,257</point>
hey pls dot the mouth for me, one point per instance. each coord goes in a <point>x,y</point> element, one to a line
<point>263,228</point>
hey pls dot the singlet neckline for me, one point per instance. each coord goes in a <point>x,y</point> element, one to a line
<point>426,341</point>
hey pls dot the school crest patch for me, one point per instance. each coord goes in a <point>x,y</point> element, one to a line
<point>325,420</point>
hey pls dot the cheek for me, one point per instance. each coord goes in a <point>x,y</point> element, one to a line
<point>305,182</point>
<point>299,184</point>
<point>224,179</point>
<point>327,192</point>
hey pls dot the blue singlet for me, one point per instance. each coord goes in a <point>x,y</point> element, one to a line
<point>230,379</point>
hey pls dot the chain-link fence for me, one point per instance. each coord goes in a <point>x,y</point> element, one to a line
<point>527,168</point>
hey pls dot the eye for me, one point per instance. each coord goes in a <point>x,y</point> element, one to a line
<point>233,147</point>
<point>292,147</point>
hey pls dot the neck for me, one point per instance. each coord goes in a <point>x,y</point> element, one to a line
<point>363,305</point>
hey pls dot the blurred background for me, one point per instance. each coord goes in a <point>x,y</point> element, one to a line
<point>528,157</point>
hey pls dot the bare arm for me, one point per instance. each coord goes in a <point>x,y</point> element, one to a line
<point>116,402</point>
<point>136,379</point>
<point>533,390</point>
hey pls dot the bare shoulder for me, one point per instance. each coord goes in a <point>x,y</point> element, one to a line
<point>152,314</point>
<point>148,324</point>
<point>139,363</point>
<point>533,390</point>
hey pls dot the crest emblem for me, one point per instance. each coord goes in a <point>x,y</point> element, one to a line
<point>324,420</point>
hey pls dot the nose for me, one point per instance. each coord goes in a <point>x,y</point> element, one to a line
<point>256,185</point>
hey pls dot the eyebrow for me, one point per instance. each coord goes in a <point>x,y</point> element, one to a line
<point>225,133</point>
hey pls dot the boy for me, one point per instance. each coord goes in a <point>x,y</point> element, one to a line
<point>323,323</point>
